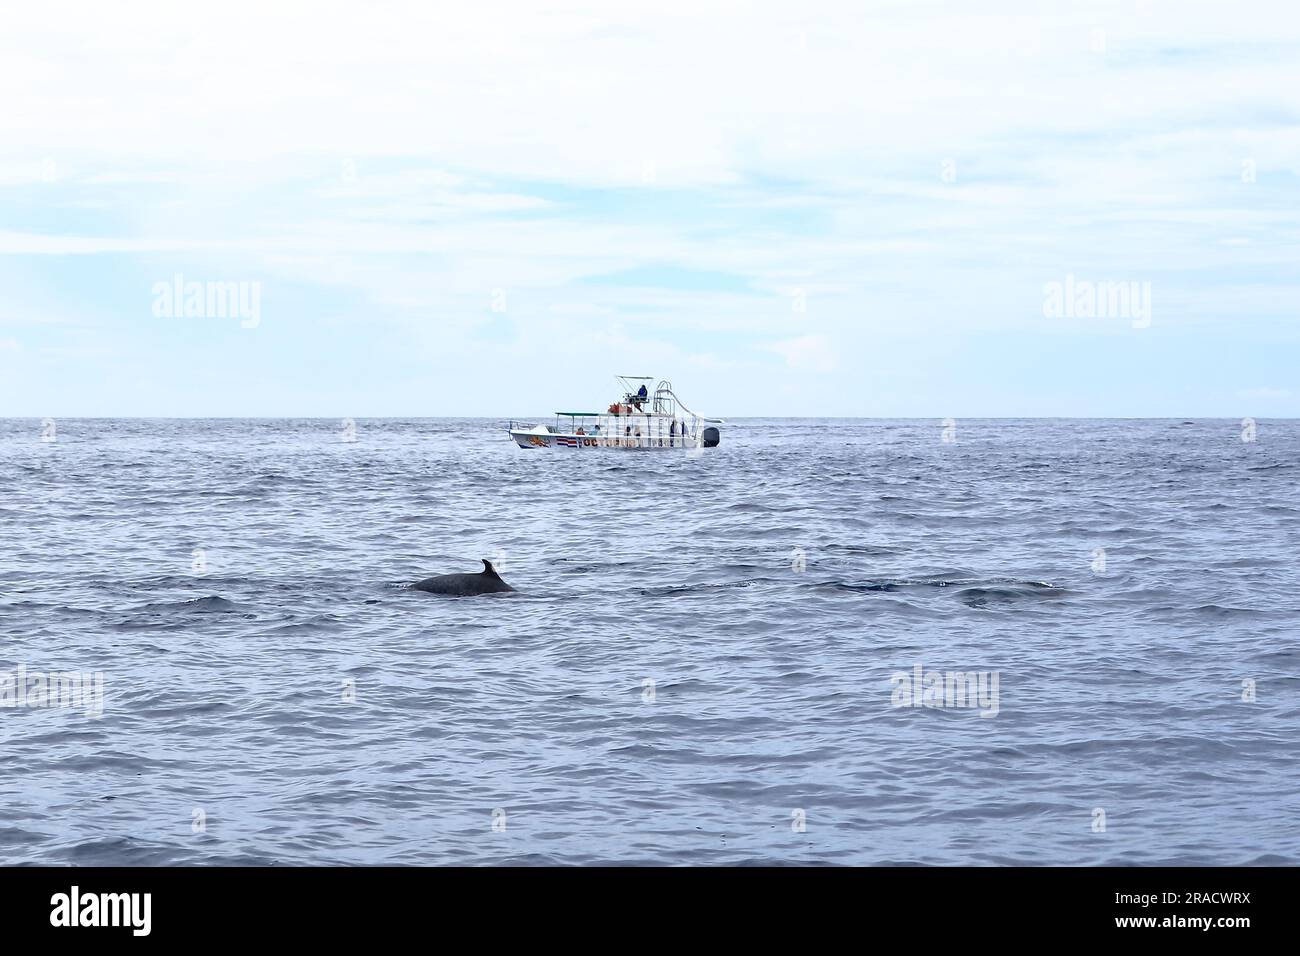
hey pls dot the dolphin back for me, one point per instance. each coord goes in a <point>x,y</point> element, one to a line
<point>486,581</point>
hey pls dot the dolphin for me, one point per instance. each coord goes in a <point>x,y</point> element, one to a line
<point>486,581</point>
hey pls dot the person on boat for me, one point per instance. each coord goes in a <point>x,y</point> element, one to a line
<point>641,392</point>
<point>580,431</point>
<point>672,433</point>
<point>596,429</point>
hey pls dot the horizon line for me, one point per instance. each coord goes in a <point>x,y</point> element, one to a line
<point>729,419</point>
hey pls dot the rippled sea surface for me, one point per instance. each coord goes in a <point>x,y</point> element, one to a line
<point>699,666</point>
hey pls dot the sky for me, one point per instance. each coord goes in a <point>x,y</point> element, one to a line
<point>796,208</point>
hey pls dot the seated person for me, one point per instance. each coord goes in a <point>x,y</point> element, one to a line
<point>642,393</point>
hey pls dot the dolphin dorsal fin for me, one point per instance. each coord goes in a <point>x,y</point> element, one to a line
<point>488,569</point>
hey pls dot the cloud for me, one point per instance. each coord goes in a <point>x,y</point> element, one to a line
<point>1264,394</point>
<point>812,353</point>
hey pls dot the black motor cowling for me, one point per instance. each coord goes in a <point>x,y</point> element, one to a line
<point>711,437</point>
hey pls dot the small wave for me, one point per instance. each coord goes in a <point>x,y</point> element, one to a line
<point>211,603</point>
<point>973,591</point>
<point>680,589</point>
<point>1029,590</point>
<point>1218,610</point>
<point>855,586</point>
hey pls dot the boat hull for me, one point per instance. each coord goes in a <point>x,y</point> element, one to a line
<point>532,438</point>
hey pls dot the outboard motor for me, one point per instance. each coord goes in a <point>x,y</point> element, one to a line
<point>711,437</point>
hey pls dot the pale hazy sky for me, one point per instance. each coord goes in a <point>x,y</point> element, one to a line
<point>786,208</point>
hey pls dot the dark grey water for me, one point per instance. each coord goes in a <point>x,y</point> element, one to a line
<point>700,655</point>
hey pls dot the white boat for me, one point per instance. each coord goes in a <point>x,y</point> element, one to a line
<point>639,420</point>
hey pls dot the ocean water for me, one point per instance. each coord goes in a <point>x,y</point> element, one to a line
<point>702,663</point>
